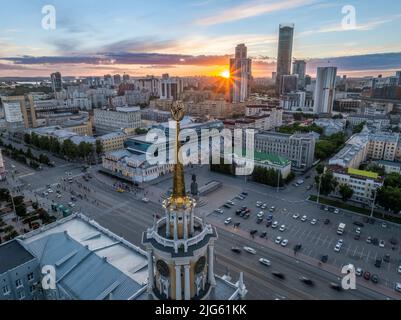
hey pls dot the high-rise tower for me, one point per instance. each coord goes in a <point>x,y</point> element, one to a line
<point>240,75</point>
<point>284,57</point>
<point>325,89</point>
<point>180,246</point>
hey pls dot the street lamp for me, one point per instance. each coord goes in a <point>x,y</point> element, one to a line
<point>320,184</point>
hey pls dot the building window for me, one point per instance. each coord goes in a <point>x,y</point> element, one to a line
<point>21,295</point>
<point>30,276</point>
<point>6,290</point>
<point>31,289</point>
<point>18,283</point>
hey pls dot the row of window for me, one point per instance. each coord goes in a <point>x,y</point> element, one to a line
<point>18,284</point>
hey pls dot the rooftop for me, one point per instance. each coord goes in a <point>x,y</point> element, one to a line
<point>12,255</point>
<point>363,173</point>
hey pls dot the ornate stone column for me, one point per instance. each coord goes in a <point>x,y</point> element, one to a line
<point>178,287</point>
<point>187,283</point>
<point>212,280</point>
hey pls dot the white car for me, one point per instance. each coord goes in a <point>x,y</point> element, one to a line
<point>340,242</point>
<point>272,209</point>
<point>358,230</point>
<point>264,206</point>
<point>278,240</point>
<point>304,218</point>
<point>382,244</point>
<point>219,211</point>
<point>228,221</point>
<point>261,214</point>
<point>284,243</point>
<point>59,196</point>
<point>265,262</point>
<point>250,250</point>
<point>146,200</point>
<point>397,287</point>
<point>399,269</point>
<point>275,225</point>
<point>296,216</point>
<point>258,205</point>
<point>359,272</point>
<point>337,248</point>
<point>336,211</point>
<point>313,222</point>
<point>231,203</point>
<point>282,228</point>
<point>50,191</point>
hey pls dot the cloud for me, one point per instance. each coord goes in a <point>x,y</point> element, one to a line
<point>251,9</point>
<point>139,44</point>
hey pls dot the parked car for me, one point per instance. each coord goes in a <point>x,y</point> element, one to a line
<point>382,243</point>
<point>335,286</point>
<point>278,240</point>
<point>375,278</point>
<point>284,243</point>
<point>296,216</point>
<point>282,228</point>
<point>275,225</point>
<point>228,221</point>
<point>263,235</point>
<point>397,287</point>
<point>313,222</point>
<point>367,275</point>
<point>378,262</point>
<point>327,222</point>
<point>259,221</point>
<point>387,258</point>
<point>358,230</point>
<point>220,211</point>
<point>369,240</point>
<point>359,272</point>
<point>304,218</point>
<point>359,224</point>
<point>357,237</point>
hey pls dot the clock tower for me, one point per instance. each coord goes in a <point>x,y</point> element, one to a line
<point>180,245</point>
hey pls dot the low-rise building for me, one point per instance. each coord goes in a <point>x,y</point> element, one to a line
<point>107,121</point>
<point>379,122</point>
<point>390,166</point>
<point>363,183</point>
<point>113,141</point>
<point>331,126</point>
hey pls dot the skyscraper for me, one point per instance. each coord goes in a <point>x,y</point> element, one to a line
<point>240,75</point>
<point>325,89</point>
<point>57,83</point>
<point>299,68</point>
<point>284,58</point>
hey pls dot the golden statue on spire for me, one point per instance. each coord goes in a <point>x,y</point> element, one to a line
<point>179,193</point>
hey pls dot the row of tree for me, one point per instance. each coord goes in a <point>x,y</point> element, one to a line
<point>328,184</point>
<point>389,196</point>
<point>327,146</point>
<point>66,149</point>
<point>291,129</point>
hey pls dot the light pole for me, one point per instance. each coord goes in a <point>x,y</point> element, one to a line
<point>373,203</point>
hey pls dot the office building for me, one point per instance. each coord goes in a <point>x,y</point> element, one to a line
<point>240,75</point>
<point>299,69</point>
<point>289,84</point>
<point>113,141</point>
<point>284,58</point>
<point>57,83</point>
<point>107,121</point>
<point>19,112</point>
<point>117,79</point>
<point>325,89</point>
<point>171,88</point>
<point>298,148</point>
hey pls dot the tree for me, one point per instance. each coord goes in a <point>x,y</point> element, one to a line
<point>44,159</point>
<point>69,149</point>
<point>29,153</point>
<point>328,183</point>
<point>27,138</point>
<point>358,128</point>
<point>320,169</point>
<point>393,180</point>
<point>389,198</point>
<point>378,169</point>
<point>5,195</point>
<point>346,192</point>
<point>99,147</point>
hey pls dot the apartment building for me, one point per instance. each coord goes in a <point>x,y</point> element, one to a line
<point>113,141</point>
<point>107,121</point>
<point>19,112</point>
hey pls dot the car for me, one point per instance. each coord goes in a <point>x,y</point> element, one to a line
<point>358,224</point>
<point>296,216</point>
<point>250,250</point>
<point>71,204</point>
<point>324,258</point>
<point>378,262</point>
<point>382,243</point>
<point>282,228</point>
<point>384,225</point>
<point>375,278</point>
<point>307,281</point>
<point>393,241</point>
<point>367,275</point>
<point>228,221</point>
<point>145,200</point>
<point>50,190</point>
<point>357,237</point>
<point>284,243</point>
<point>310,187</point>
<point>275,225</point>
<point>358,230</point>
<point>258,205</point>
<point>263,235</point>
<point>336,211</point>
<point>270,217</point>
<point>304,219</point>
<point>242,214</point>
<point>259,221</point>
<point>327,222</point>
<point>336,286</point>
<point>265,262</point>
<point>261,214</point>
<point>369,240</point>
<point>272,209</point>
<point>278,275</point>
<point>268,224</point>
<point>264,206</point>
<point>244,193</point>
<point>313,222</point>
<point>326,208</point>
<point>231,203</point>
<point>359,272</point>
<point>337,248</point>
<point>278,240</point>
<point>375,241</point>
<point>236,250</point>
<point>238,212</point>
<point>387,258</point>
<point>397,286</point>
<point>247,216</point>
<point>59,196</point>
<point>340,241</point>
<point>45,194</point>
<point>220,211</point>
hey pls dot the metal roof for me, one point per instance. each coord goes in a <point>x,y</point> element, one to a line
<point>12,255</point>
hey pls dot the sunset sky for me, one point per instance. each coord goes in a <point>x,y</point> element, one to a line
<point>194,37</point>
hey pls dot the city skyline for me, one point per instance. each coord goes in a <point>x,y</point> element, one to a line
<point>153,38</point>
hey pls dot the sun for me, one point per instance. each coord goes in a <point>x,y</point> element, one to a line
<point>225,74</point>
